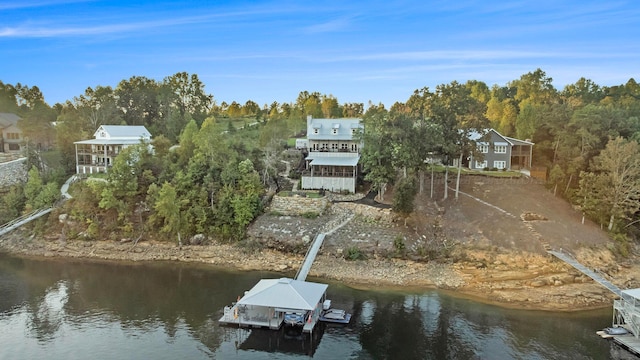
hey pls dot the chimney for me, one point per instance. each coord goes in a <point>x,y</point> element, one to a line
<point>309,117</point>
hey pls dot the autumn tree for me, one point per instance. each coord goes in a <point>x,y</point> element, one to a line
<point>612,188</point>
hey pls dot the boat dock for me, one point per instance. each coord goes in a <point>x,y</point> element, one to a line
<point>626,310</point>
<point>244,316</point>
<point>267,303</point>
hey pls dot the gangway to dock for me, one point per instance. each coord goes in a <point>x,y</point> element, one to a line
<point>303,271</point>
<point>16,223</point>
<point>583,269</point>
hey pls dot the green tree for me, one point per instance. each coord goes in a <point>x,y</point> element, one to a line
<point>98,107</point>
<point>168,208</point>
<point>376,156</point>
<point>37,194</point>
<point>137,98</point>
<point>613,187</point>
<point>404,195</point>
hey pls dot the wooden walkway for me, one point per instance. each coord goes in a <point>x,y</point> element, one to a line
<point>590,273</point>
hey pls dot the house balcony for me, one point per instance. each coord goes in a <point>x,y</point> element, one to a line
<point>340,172</point>
<point>98,152</point>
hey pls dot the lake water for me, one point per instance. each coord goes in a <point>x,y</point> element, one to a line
<point>65,309</point>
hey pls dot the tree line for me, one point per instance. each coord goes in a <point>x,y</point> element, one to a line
<point>213,182</point>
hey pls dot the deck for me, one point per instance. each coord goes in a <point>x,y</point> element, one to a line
<point>249,317</point>
<point>628,341</point>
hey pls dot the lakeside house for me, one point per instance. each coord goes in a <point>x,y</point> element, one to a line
<point>333,154</point>
<point>96,155</point>
<point>11,136</point>
<point>501,152</point>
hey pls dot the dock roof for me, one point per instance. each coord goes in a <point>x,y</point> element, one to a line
<point>285,293</point>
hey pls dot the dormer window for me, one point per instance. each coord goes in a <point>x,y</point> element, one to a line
<point>334,131</point>
<point>316,131</point>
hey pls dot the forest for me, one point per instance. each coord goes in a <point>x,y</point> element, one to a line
<point>213,166</point>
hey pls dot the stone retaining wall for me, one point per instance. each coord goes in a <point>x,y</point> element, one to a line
<point>298,205</point>
<point>369,212</point>
<point>12,172</point>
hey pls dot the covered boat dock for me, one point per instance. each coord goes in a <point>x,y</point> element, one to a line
<point>265,305</point>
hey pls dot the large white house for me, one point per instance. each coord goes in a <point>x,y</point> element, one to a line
<point>96,155</point>
<point>334,154</point>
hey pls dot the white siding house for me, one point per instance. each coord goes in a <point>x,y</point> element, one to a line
<point>96,155</point>
<point>334,154</point>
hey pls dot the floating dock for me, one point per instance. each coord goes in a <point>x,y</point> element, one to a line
<point>265,305</point>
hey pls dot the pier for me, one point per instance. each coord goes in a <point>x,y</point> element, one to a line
<point>626,310</point>
<point>16,223</point>
<point>583,269</point>
<point>270,301</point>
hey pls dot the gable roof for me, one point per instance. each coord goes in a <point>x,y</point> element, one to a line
<point>124,131</point>
<point>8,119</point>
<point>342,126</point>
<point>285,293</point>
<point>508,140</point>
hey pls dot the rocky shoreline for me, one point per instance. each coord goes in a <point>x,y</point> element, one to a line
<point>509,279</point>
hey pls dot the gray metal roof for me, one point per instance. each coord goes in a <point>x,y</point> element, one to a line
<point>632,292</point>
<point>335,160</point>
<point>325,127</point>
<point>109,142</point>
<point>285,293</point>
<point>124,131</point>
<point>8,119</point>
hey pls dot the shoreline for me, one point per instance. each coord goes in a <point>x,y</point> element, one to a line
<point>540,287</point>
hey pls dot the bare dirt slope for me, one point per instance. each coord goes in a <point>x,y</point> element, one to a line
<point>516,214</point>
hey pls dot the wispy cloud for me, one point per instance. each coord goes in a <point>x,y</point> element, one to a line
<point>339,24</point>
<point>48,28</point>
<point>456,55</point>
<point>25,4</point>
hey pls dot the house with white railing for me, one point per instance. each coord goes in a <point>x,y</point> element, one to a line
<point>333,158</point>
<point>96,155</point>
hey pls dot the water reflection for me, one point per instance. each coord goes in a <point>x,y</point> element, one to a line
<point>66,309</point>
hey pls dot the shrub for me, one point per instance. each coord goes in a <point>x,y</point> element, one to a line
<point>354,253</point>
<point>399,246</point>
<point>310,215</point>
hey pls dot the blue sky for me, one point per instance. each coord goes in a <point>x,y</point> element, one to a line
<point>358,51</point>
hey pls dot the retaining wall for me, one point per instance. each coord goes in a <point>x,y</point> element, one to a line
<point>298,205</point>
<point>12,172</point>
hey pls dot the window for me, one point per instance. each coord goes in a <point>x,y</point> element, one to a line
<point>483,148</point>
<point>499,164</point>
<point>334,131</point>
<point>14,147</point>
<point>344,146</point>
<point>334,147</point>
<point>325,146</point>
<point>13,136</point>
<point>500,149</point>
<point>481,164</point>
<point>354,147</point>
<point>316,131</point>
